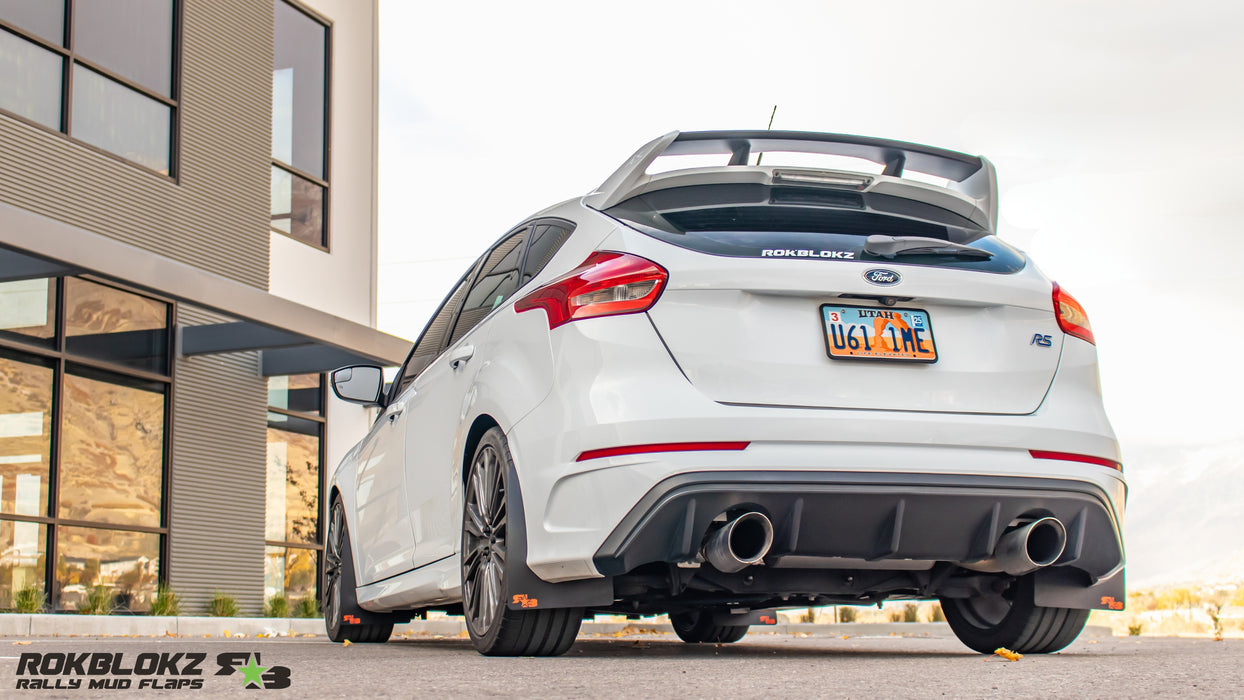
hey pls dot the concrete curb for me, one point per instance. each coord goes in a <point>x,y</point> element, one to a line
<point>21,625</point>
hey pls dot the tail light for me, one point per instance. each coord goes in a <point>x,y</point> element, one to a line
<point>606,284</point>
<point>1071,316</point>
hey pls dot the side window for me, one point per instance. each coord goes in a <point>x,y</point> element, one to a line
<point>497,281</point>
<point>546,240</point>
<point>429,344</point>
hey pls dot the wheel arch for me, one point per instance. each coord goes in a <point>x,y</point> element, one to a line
<point>482,424</point>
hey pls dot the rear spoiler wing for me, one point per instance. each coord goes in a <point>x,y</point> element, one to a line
<point>972,178</point>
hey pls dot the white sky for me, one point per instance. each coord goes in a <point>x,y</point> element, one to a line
<point>1115,128</point>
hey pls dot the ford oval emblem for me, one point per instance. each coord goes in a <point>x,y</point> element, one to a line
<point>882,277</point>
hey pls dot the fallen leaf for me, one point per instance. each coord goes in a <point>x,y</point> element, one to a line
<point>21,644</point>
<point>464,633</point>
<point>1007,654</point>
<point>346,643</point>
<point>228,633</point>
<point>846,636</point>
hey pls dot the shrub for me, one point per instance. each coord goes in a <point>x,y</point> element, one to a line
<point>307,607</point>
<point>936,614</point>
<point>222,605</point>
<point>847,614</point>
<point>30,599</point>
<point>99,601</point>
<point>911,613</point>
<point>277,606</point>
<point>1135,630</point>
<point>808,616</point>
<point>166,601</point>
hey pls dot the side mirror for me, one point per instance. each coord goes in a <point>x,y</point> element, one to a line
<point>361,384</point>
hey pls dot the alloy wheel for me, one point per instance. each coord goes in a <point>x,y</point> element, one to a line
<point>484,541</point>
<point>332,562</point>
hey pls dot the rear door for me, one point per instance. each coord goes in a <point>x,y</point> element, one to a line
<point>438,401</point>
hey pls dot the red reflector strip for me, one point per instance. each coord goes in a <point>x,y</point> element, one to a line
<point>1072,457</point>
<point>663,447</point>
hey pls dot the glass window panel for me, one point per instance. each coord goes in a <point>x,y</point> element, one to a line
<point>429,343</point>
<point>293,481</point>
<point>297,207</point>
<point>126,564</point>
<point>112,452</point>
<point>496,283</point>
<point>291,572</point>
<point>22,549</point>
<point>120,120</point>
<point>43,17</point>
<point>132,38</point>
<point>298,93</point>
<point>273,572</point>
<point>25,436</point>
<point>108,324</point>
<point>545,242</point>
<point>300,573</point>
<point>31,86</point>
<point>28,310</point>
<point>298,392</point>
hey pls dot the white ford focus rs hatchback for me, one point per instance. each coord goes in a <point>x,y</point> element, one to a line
<point>718,391</point>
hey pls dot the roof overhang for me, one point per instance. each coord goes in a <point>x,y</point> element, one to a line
<point>291,337</point>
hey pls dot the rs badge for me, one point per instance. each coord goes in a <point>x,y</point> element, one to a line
<point>1041,340</point>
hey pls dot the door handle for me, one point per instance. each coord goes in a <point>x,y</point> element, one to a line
<point>460,356</point>
<point>394,410</point>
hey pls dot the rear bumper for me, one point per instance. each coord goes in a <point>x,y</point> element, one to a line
<point>617,386</point>
<point>823,518</point>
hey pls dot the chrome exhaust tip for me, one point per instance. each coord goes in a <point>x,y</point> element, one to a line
<point>739,543</point>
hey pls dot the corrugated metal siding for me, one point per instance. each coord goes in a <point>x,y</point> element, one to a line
<point>216,216</point>
<point>216,527</point>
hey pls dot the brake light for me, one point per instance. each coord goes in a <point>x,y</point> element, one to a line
<point>1072,457</point>
<point>1071,316</point>
<point>661,447</point>
<point>606,284</point>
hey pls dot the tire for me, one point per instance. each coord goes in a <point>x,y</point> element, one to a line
<point>696,627</point>
<point>495,629</point>
<point>339,589</point>
<point>1012,620</point>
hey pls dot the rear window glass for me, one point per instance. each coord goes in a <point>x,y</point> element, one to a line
<point>776,228</point>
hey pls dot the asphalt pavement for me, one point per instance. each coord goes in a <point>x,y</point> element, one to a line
<point>624,666</point>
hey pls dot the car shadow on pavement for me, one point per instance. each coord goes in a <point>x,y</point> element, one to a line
<point>662,648</point>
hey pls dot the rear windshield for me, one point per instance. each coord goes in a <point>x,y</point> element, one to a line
<point>827,229</point>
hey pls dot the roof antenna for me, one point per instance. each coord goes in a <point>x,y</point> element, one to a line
<point>767,128</point>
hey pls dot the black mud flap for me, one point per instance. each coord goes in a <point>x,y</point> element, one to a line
<point>528,591</point>
<point>751,617</point>
<point>351,613</point>
<point>1068,587</point>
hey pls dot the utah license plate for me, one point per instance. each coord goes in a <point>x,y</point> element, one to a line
<point>870,333</point>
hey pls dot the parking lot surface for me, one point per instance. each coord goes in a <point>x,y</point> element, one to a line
<point>630,666</point>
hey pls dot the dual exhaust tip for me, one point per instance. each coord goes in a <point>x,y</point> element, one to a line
<point>745,540</point>
<point>739,543</point>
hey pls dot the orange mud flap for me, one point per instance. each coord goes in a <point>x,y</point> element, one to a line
<point>525,590</point>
